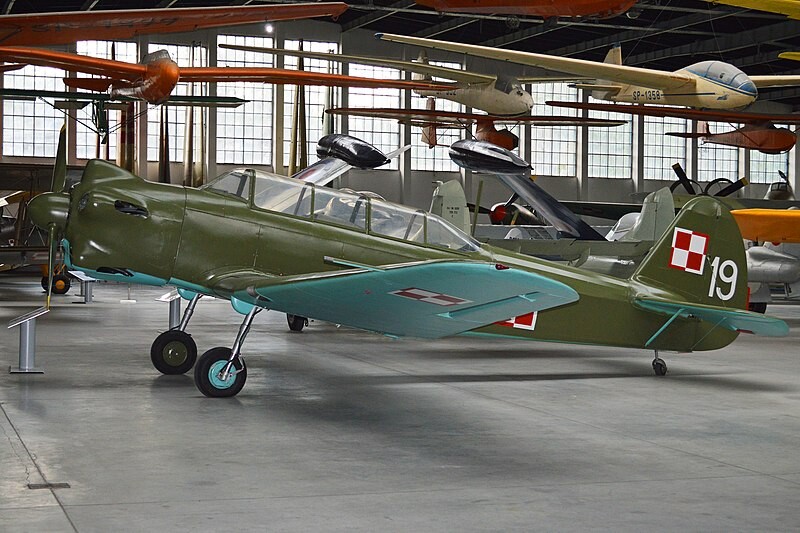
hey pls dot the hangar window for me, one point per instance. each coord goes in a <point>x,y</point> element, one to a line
<point>610,149</point>
<point>317,98</point>
<point>662,151</point>
<point>436,158</point>
<point>384,134</point>
<point>554,151</point>
<point>717,161</point>
<point>184,56</point>
<point>244,133</point>
<point>87,145</point>
<point>764,167</point>
<point>30,128</point>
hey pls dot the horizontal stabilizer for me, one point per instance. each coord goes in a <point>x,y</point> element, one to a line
<point>430,299</point>
<point>732,319</point>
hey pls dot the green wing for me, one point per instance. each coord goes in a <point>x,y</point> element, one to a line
<point>429,299</point>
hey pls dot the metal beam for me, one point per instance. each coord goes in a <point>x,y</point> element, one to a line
<point>444,27</point>
<point>88,5</point>
<point>670,26</point>
<point>376,15</point>
<point>726,43</point>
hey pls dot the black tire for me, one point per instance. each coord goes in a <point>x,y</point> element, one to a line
<point>173,352</point>
<point>209,365</point>
<point>659,367</point>
<point>757,307</point>
<point>296,322</point>
<point>61,283</point>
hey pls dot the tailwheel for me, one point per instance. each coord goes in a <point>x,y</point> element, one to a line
<point>659,367</point>
<point>210,376</point>
<point>173,352</point>
<point>296,322</point>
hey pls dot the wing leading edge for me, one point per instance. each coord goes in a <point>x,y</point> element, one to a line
<point>430,299</point>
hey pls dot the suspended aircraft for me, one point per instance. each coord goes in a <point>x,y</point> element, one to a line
<point>758,133</point>
<point>707,84</point>
<point>43,29</point>
<point>263,241</point>
<point>536,8</point>
<point>496,94</point>
<point>155,77</point>
<point>431,121</point>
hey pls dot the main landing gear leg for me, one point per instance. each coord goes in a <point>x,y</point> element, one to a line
<point>221,372</point>
<point>659,366</point>
<point>174,351</point>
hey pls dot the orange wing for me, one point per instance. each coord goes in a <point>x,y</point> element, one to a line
<point>62,28</point>
<point>683,112</point>
<point>769,225</point>
<point>117,70</point>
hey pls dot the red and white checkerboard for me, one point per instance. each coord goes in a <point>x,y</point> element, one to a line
<point>527,321</point>
<point>688,250</point>
<point>430,297</point>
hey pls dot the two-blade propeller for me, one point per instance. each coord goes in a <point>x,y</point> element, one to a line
<point>693,188</point>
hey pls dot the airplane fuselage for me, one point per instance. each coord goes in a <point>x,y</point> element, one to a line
<point>488,98</point>
<point>194,239</point>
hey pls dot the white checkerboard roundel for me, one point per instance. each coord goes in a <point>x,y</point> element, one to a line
<point>688,250</point>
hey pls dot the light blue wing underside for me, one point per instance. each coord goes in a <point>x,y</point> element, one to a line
<point>426,300</point>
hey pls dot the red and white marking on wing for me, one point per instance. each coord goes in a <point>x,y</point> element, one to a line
<point>527,321</point>
<point>437,298</point>
<point>688,250</point>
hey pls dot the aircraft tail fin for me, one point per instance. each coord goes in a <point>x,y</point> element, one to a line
<point>614,55</point>
<point>698,271</point>
<point>610,88</point>
<point>658,212</point>
<point>700,258</point>
<point>450,203</point>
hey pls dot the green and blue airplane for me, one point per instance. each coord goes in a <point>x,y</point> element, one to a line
<point>263,241</point>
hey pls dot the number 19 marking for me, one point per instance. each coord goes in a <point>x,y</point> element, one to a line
<point>727,272</point>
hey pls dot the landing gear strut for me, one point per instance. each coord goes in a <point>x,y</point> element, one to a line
<point>659,366</point>
<point>174,351</point>
<point>221,372</point>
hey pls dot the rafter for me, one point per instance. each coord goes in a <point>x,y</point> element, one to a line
<point>723,44</point>
<point>369,18</point>
<point>444,27</point>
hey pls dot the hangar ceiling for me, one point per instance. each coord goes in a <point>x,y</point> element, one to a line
<point>663,34</point>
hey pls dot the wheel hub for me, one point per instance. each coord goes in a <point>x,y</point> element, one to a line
<point>175,353</point>
<point>215,372</point>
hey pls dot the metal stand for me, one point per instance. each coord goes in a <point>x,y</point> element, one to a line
<point>27,342</point>
<point>86,285</point>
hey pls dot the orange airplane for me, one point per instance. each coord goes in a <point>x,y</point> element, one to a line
<point>156,76</point>
<point>536,8</point>
<point>758,133</point>
<point>769,225</point>
<point>42,29</point>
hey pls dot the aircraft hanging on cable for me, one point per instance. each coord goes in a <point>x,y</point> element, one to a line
<point>43,29</point>
<point>157,75</point>
<point>263,241</point>
<point>758,133</point>
<point>431,121</point>
<point>496,94</point>
<point>706,85</point>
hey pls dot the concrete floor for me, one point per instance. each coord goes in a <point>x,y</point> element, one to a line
<point>338,430</point>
